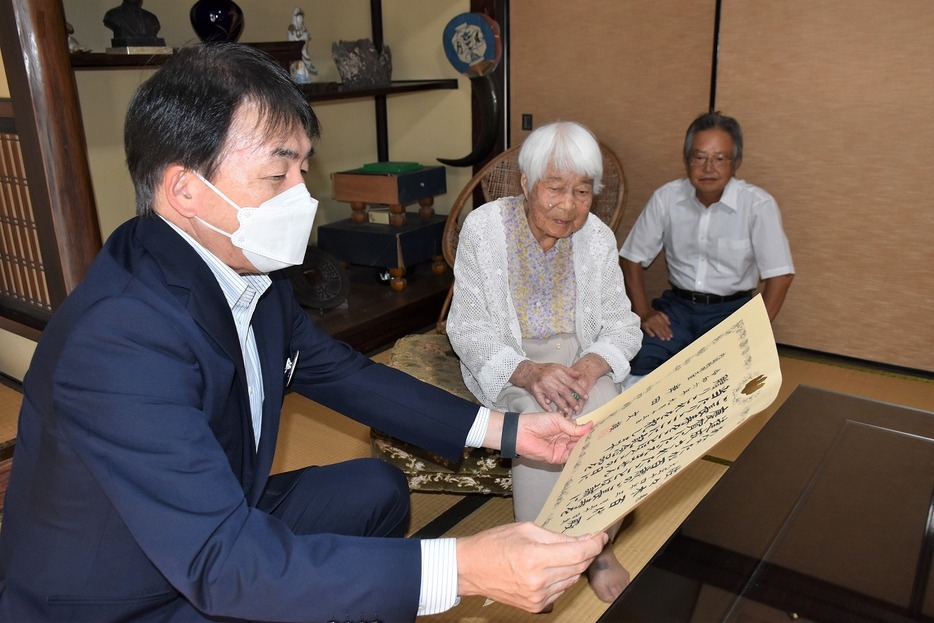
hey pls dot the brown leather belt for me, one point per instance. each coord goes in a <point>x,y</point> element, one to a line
<point>702,298</point>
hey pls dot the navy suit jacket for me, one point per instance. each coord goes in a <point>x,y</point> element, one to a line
<point>133,489</point>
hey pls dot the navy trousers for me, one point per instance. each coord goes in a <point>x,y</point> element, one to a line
<point>362,497</point>
<point>689,321</point>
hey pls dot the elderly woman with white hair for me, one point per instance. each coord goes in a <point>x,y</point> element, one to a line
<point>540,318</point>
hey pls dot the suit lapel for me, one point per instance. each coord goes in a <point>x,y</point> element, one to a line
<point>193,284</point>
<point>269,332</point>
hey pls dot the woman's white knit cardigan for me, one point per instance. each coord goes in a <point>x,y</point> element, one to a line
<point>482,323</point>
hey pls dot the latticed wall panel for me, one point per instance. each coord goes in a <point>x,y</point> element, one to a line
<point>22,275</point>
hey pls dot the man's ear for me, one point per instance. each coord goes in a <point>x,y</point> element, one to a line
<point>181,189</point>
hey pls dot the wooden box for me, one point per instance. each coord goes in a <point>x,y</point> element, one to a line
<point>405,188</point>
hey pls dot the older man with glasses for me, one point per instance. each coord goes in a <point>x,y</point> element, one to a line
<point>721,237</point>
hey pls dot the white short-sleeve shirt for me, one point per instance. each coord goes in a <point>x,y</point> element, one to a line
<point>721,249</point>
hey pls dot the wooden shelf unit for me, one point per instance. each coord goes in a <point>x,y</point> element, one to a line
<point>316,91</point>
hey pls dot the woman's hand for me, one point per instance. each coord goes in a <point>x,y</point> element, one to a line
<point>590,367</point>
<point>555,387</point>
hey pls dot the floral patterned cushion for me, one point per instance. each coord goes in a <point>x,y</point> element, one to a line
<point>429,357</point>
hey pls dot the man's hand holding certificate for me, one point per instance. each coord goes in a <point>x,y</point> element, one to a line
<point>666,421</point>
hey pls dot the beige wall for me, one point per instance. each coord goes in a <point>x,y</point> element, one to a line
<point>15,354</point>
<point>634,72</point>
<point>4,86</point>
<point>833,97</point>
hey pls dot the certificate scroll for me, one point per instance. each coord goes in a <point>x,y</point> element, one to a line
<point>666,421</point>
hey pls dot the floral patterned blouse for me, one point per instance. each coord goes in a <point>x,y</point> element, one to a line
<point>542,282</point>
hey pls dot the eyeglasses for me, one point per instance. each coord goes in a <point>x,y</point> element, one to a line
<point>717,160</point>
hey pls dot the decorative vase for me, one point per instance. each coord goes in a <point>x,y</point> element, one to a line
<point>217,20</point>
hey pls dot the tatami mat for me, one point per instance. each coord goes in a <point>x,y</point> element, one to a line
<point>310,433</point>
<point>426,507</point>
<point>651,525</point>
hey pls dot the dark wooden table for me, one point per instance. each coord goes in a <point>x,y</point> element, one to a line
<point>828,515</point>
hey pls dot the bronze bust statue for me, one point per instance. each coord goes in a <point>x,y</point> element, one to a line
<point>133,25</point>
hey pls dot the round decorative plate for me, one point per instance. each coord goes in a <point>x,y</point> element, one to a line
<point>472,44</point>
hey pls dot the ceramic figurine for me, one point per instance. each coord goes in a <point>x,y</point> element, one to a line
<point>303,70</point>
<point>73,44</point>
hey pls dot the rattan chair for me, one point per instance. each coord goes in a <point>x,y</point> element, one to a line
<point>429,356</point>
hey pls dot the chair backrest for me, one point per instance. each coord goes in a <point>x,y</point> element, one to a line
<point>500,178</point>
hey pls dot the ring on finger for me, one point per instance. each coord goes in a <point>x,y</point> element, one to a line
<point>576,396</point>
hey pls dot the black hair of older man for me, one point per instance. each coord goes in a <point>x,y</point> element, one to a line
<point>168,122</point>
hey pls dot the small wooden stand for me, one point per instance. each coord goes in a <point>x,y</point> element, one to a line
<point>361,187</point>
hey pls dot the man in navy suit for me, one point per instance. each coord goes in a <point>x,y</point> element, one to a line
<point>140,488</point>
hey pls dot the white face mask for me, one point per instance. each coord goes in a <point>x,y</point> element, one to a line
<point>275,234</point>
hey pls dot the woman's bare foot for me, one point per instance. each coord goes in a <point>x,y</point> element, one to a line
<point>607,576</point>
